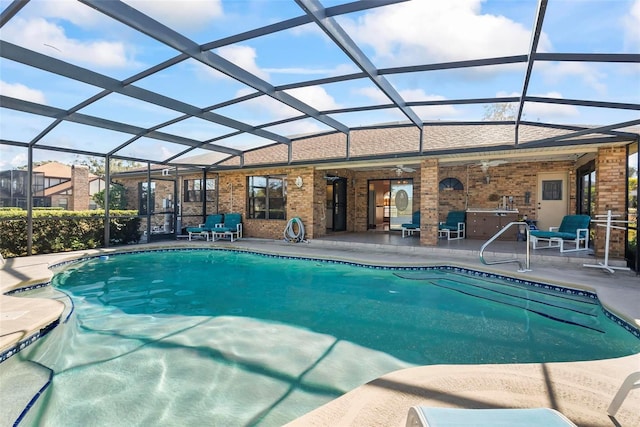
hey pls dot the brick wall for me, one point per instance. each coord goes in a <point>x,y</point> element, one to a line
<point>233,198</point>
<point>452,200</point>
<point>510,179</point>
<point>611,186</point>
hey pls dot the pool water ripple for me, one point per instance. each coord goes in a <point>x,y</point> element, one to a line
<point>228,338</point>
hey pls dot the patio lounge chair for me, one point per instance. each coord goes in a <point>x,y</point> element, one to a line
<point>232,227</point>
<point>423,416</point>
<point>409,228</point>
<point>454,227</point>
<point>203,230</point>
<point>573,229</point>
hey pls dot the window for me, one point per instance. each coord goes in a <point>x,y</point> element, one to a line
<point>193,190</point>
<point>451,184</point>
<point>552,190</point>
<point>266,197</point>
<point>587,189</point>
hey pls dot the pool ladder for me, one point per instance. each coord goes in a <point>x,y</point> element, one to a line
<point>523,268</point>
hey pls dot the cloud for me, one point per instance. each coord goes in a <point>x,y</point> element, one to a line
<point>191,15</point>
<point>72,11</point>
<point>543,111</point>
<point>20,91</point>
<point>12,157</point>
<point>315,96</point>
<point>575,71</point>
<point>631,26</point>
<point>549,112</point>
<point>439,31</point>
<point>244,57</point>
<point>430,111</point>
<point>409,95</point>
<point>262,109</point>
<point>50,39</point>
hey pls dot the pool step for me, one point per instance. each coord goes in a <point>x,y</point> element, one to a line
<point>546,309</point>
<point>568,308</point>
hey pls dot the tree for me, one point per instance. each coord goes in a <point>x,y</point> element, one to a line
<point>96,165</point>
<point>500,112</point>
<point>117,197</point>
<point>633,192</point>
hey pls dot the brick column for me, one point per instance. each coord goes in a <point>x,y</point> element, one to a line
<point>79,188</point>
<point>429,182</point>
<point>611,183</point>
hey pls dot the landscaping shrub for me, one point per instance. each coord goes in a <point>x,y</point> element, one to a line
<point>60,231</point>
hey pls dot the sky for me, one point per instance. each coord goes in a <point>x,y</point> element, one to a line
<point>410,33</point>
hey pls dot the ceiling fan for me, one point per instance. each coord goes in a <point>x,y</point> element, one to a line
<point>486,164</point>
<point>402,168</point>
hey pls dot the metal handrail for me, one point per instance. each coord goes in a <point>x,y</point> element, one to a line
<point>498,234</point>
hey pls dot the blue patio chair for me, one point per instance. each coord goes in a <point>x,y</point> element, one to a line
<point>231,227</point>
<point>573,229</point>
<point>454,227</point>
<point>203,230</point>
<point>413,227</point>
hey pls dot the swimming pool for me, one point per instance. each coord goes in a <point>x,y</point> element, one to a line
<point>217,337</point>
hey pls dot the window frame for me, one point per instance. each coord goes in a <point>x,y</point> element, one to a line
<point>191,194</point>
<point>262,202</point>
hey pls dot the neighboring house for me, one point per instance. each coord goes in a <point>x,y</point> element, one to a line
<point>55,185</point>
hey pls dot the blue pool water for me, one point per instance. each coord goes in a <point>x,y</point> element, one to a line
<point>231,338</point>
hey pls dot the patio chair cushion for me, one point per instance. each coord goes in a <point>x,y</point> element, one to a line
<point>571,223</point>
<point>231,222</point>
<point>453,219</point>
<point>568,229</point>
<point>415,222</point>
<point>211,221</point>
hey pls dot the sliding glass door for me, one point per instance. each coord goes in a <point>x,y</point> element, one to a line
<point>401,203</point>
<point>390,203</point>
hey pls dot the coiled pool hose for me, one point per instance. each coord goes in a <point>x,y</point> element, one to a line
<point>290,233</point>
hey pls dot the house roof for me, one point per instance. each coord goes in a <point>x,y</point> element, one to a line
<point>54,170</point>
<point>58,170</point>
<point>304,81</point>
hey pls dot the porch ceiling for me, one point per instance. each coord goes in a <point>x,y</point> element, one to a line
<point>174,81</point>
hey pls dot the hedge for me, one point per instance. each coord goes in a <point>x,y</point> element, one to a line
<point>61,231</point>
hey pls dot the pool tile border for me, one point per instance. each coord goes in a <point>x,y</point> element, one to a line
<point>21,345</point>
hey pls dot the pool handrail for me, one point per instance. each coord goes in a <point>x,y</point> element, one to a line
<point>523,269</point>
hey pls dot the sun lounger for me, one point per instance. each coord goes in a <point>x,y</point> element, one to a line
<point>203,230</point>
<point>573,229</point>
<point>231,227</point>
<point>413,227</point>
<point>454,227</point>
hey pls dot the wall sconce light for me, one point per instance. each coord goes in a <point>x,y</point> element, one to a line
<point>299,182</point>
<point>527,197</point>
<point>487,179</point>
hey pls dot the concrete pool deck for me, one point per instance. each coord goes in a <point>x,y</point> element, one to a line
<point>580,390</point>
